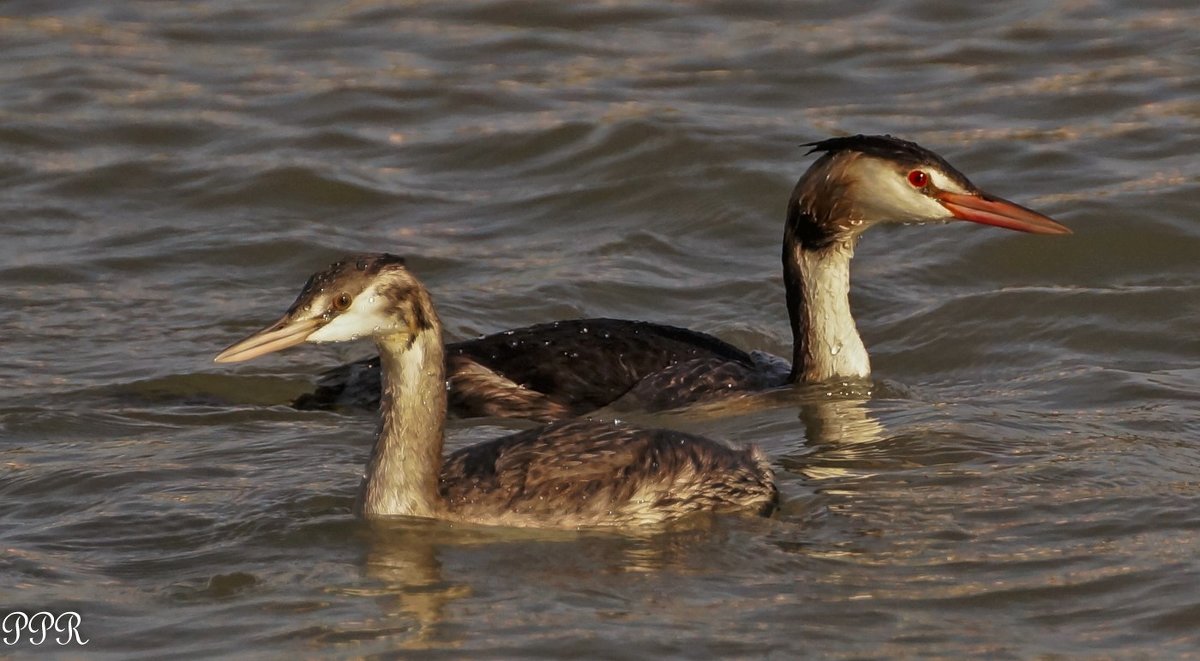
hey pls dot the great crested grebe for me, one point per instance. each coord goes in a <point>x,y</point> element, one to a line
<point>568,368</point>
<point>576,473</point>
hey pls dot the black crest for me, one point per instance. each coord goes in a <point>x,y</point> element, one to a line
<point>889,148</point>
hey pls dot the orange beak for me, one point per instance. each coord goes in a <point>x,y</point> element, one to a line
<point>997,211</point>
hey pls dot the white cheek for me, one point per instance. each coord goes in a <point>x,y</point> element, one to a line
<point>894,199</point>
<point>903,203</point>
<point>360,321</point>
<point>343,328</point>
<point>921,208</point>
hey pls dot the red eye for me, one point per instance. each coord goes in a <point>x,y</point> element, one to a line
<point>918,178</point>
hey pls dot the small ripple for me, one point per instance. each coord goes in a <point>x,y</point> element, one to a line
<point>293,187</point>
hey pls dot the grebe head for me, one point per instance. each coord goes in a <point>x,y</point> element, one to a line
<point>863,180</point>
<point>366,295</point>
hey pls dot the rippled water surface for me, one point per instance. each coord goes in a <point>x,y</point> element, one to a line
<point>1022,481</point>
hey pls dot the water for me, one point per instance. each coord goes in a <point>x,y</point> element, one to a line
<point>1024,480</point>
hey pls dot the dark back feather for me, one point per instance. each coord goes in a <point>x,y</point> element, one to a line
<point>585,364</point>
<point>589,471</point>
<point>555,370</point>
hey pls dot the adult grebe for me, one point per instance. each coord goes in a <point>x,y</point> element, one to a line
<point>568,368</point>
<point>567,474</point>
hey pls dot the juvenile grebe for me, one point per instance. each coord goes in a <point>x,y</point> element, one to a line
<point>568,368</point>
<point>567,474</point>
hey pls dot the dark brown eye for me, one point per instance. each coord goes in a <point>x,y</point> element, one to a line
<point>342,302</point>
<point>918,178</point>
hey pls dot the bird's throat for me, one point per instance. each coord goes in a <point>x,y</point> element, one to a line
<point>826,343</point>
<point>405,465</point>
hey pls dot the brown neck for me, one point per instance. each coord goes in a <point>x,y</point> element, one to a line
<point>403,472</point>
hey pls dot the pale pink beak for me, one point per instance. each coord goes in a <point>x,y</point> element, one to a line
<point>279,335</point>
<point>997,211</point>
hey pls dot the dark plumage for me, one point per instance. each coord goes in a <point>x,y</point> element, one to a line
<point>583,470</point>
<point>534,372</point>
<point>569,368</point>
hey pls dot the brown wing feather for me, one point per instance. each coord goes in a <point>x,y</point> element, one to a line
<point>585,473</point>
<point>701,379</point>
<point>476,391</point>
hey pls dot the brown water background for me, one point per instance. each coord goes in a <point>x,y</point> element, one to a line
<point>1023,481</point>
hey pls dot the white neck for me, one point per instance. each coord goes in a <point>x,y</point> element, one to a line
<point>826,344</point>
<point>403,472</point>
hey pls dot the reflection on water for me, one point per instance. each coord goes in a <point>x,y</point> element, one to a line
<point>411,591</point>
<point>839,435</point>
<point>416,595</point>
